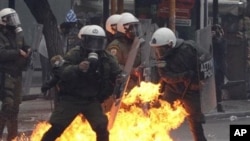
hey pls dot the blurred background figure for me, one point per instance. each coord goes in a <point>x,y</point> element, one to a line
<point>69,30</point>
<point>56,63</point>
<point>244,33</point>
<point>219,53</point>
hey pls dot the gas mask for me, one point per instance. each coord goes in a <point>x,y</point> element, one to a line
<point>93,43</point>
<point>93,61</point>
<point>162,51</point>
<point>133,30</point>
<point>12,22</point>
<point>57,61</point>
<point>92,57</point>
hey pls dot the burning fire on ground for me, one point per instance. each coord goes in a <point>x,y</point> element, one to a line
<point>143,117</point>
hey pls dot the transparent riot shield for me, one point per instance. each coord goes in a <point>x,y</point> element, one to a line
<point>28,74</point>
<point>206,72</point>
<point>147,54</point>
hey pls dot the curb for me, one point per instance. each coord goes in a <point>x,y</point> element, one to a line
<point>31,97</point>
<point>226,115</point>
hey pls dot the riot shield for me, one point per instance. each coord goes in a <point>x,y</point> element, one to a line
<point>120,88</point>
<point>147,53</point>
<point>206,70</point>
<point>28,74</point>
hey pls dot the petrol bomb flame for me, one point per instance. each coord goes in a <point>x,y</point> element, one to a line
<point>142,117</point>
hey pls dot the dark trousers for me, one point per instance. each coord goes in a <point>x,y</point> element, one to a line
<point>192,104</point>
<point>219,81</point>
<point>45,66</point>
<point>67,109</point>
<point>10,107</point>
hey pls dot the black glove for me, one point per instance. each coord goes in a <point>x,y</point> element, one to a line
<point>101,99</point>
<point>189,74</point>
<point>120,80</point>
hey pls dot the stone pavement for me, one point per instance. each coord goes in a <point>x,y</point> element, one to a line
<point>233,108</point>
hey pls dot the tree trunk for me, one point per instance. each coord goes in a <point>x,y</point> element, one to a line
<point>43,14</point>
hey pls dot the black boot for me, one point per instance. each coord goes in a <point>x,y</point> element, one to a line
<point>52,134</point>
<point>12,129</point>
<point>220,108</point>
<point>197,131</point>
<point>102,134</point>
<point>2,125</point>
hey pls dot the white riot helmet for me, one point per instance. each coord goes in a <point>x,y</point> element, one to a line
<point>163,36</point>
<point>111,23</point>
<point>162,40</point>
<point>129,25</point>
<point>126,13</point>
<point>9,16</point>
<point>82,30</point>
<point>94,38</point>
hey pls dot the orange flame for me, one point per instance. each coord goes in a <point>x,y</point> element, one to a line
<point>152,122</point>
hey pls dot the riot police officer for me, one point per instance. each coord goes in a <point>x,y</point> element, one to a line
<point>87,79</point>
<point>219,55</point>
<point>128,27</point>
<point>177,67</point>
<point>111,26</point>
<point>14,59</point>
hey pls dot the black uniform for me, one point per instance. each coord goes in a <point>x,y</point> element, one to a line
<point>219,55</point>
<point>11,66</point>
<point>179,78</point>
<point>83,92</point>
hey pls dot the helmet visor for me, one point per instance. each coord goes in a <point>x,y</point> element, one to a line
<point>94,43</point>
<point>11,19</point>
<point>133,30</point>
<point>161,51</point>
<point>114,28</point>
